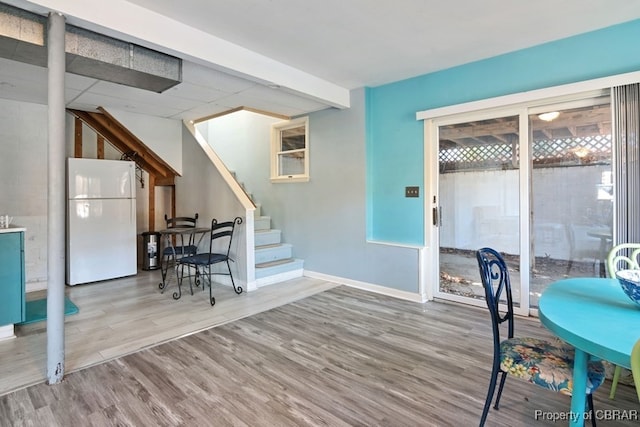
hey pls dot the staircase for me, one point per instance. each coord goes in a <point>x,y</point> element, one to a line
<point>274,259</point>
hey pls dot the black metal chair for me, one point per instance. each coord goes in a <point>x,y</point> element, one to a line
<point>544,363</point>
<point>221,237</point>
<point>175,250</point>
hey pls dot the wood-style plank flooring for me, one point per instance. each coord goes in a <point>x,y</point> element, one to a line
<point>339,357</point>
<point>118,317</point>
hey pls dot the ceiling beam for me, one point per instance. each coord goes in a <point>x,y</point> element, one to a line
<point>121,19</point>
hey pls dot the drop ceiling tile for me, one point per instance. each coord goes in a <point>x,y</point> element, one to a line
<point>97,100</point>
<point>133,95</point>
<point>202,111</point>
<point>207,77</point>
<point>195,92</point>
<point>78,82</point>
<point>21,69</point>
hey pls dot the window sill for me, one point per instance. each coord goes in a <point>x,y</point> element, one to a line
<point>286,179</point>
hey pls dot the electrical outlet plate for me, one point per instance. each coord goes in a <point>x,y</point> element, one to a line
<point>412,192</point>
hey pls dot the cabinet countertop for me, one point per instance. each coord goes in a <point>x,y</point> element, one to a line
<point>12,229</point>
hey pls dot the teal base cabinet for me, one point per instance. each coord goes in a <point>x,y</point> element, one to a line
<point>12,291</point>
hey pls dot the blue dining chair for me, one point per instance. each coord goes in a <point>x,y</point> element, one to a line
<point>544,363</point>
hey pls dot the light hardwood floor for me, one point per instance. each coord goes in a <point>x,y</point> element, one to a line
<point>118,317</point>
<point>335,356</point>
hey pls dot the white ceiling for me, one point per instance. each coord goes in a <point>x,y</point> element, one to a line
<point>292,57</point>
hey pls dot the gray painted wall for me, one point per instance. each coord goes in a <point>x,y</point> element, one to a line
<point>326,221</point>
<point>324,218</point>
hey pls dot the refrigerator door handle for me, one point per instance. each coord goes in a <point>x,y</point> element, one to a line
<point>132,181</point>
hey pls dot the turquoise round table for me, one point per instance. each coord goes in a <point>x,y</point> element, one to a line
<point>598,319</point>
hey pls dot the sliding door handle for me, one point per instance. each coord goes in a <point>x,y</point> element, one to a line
<point>436,216</point>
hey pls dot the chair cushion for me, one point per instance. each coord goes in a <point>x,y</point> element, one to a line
<point>546,364</point>
<point>203,259</point>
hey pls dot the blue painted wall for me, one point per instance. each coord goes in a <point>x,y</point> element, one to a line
<point>394,140</point>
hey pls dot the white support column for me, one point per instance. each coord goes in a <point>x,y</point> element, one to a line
<point>56,198</point>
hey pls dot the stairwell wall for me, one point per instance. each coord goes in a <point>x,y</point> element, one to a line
<point>202,189</point>
<point>324,219</point>
<point>242,141</point>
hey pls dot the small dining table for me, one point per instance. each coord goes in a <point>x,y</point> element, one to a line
<point>181,235</point>
<point>596,317</point>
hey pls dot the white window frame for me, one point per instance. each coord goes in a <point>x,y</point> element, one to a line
<point>276,152</point>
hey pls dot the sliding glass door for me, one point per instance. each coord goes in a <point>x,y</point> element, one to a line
<point>572,192</point>
<point>534,183</point>
<point>478,185</point>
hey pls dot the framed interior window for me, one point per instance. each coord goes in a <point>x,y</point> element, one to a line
<point>290,150</point>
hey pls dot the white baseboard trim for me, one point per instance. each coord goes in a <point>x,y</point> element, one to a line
<point>395,293</point>
<point>252,286</point>
<point>281,277</point>
<point>7,332</point>
<point>35,286</point>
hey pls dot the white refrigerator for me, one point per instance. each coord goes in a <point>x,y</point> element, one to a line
<point>101,220</point>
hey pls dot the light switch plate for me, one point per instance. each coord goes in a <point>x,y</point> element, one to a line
<point>412,192</point>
